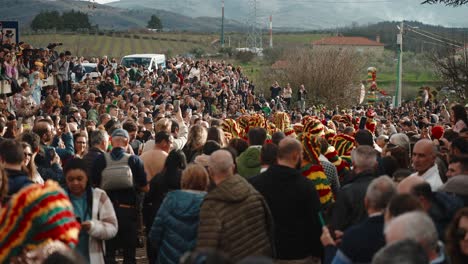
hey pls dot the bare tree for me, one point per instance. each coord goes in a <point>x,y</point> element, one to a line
<point>452,66</point>
<point>331,76</point>
<point>447,2</point>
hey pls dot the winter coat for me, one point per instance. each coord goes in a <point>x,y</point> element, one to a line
<point>235,219</point>
<point>103,225</point>
<point>159,187</point>
<point>295,206</point>
<point>349,206</point>
<point>174,229</point>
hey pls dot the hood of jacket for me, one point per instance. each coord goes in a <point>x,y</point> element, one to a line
<point>457,185</point>
<point>185,203</point>
<point>249,163</point>
<point>234,189</point>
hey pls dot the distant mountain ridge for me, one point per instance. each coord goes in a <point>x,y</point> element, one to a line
<point>109,17</point>
<point>312,14</point>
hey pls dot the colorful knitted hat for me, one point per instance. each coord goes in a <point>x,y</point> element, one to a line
<point>314,127</point>
<point>344,144</point>
<point>329,134</point>
<point>341,165</point>
<point>35,216</point>
<point>313,170</point>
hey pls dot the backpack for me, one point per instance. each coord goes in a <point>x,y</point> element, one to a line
<point>117,175</point>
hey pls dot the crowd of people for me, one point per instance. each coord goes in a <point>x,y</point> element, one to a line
<point>196,163</point>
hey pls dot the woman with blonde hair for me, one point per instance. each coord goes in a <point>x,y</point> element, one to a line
<point>195,141</point>
<point>174,229</point>
<point>216,134</point>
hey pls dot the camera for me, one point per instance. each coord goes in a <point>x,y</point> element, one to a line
<point>53,45</point>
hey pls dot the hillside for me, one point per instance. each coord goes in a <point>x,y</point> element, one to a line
<point>312,14</point>
<point>108,17</point>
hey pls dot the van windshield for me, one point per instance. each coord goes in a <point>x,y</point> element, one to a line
<point>127,62</point>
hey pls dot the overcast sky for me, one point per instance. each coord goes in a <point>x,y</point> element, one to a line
<point>329,12</point>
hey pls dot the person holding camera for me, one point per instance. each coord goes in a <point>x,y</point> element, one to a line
<point>61,69</point>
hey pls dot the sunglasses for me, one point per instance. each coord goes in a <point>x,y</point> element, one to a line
<point>460,234</point>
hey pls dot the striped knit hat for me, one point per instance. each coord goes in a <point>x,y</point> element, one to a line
<point>329,134</point>
<point>314,127</point>
<point>313,170</point>
<point>344,144</point>
<point>35,216</point>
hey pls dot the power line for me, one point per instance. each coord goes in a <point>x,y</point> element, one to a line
<point>425,41</point>
<point>427,36</point>
<point>435,35</point>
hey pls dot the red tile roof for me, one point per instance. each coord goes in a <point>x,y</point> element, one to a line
<point>347,41</point>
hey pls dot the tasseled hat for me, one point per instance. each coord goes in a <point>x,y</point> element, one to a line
<point>313,170</point>
<point>34,217</point>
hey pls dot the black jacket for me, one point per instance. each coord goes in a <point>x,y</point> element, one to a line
<point>294,204</point>
<point>362,241</point>
<point>90,157</point>
<point>349,206</point>
<point>159,186</point>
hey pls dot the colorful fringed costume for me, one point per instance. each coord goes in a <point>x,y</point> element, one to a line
<point>344,144</point>
<point>371,124</point>
<point>316,128</point>
<point>34,217</point>
<point>313,170</point>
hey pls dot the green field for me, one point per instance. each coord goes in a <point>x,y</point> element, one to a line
<point>118,45</point>
<point>417,70</point>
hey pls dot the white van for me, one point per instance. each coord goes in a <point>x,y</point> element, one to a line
<point>149,61</point>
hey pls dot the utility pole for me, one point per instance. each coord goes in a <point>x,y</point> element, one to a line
<point>400,65</point>
<point>271,31</point>
<point>222,24</point>
<point>254,35</point>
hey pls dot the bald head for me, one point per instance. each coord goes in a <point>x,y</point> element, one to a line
<point>416,226</point>
<point>424,156</point>
<point>407,184</point>
<point>288,147</point>
<point>221,163</point>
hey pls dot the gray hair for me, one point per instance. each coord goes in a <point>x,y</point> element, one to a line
<point>401,252</point>
<point>221,161</point>
<point>417,226</point>
<point>97,137</point>
<point>364,157</point>
<point>401,140</point>
<point>380,191</point>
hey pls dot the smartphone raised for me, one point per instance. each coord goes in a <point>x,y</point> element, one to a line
<point>176,106</point>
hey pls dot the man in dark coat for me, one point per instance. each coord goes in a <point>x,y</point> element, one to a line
<point>294,204</point>
<point>349,207</point>
<point>360,242</point>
